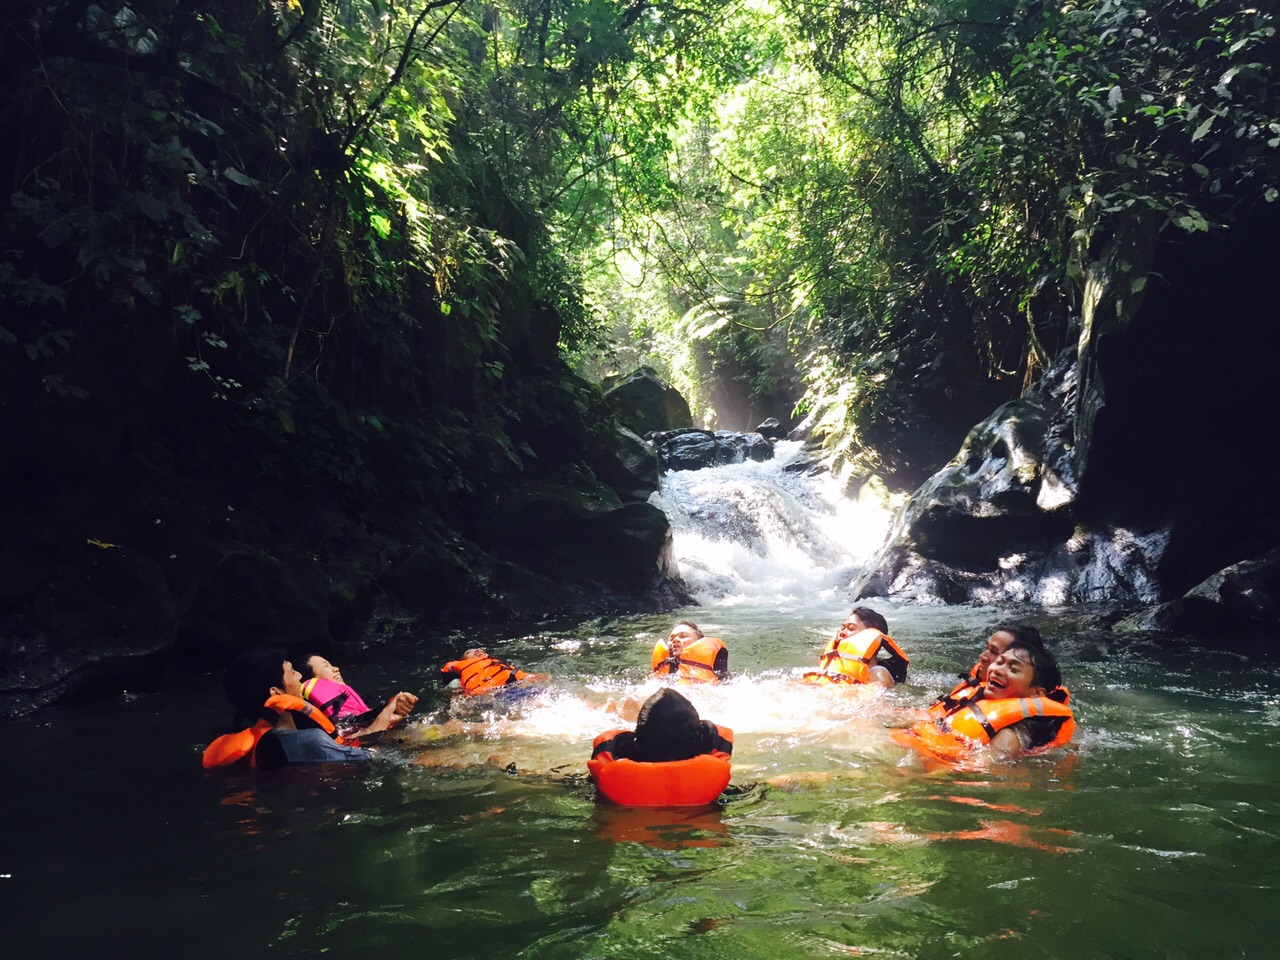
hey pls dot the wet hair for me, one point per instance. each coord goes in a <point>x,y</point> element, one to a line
<point>249,679</point>
<point>1044,665</point>
<point>690,624</point>
<point>1022,633</point>
<point>669,728</point>
<point>871,619</point>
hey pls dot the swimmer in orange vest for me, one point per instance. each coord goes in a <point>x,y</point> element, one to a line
<point>1002,636</point>
<point>862,652</point>
<point>266,690</point>
<point>478,672</point>
<point>688,654</point>
<point>1019,707</point>
<point>673,758</point>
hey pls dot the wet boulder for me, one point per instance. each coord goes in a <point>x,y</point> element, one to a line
<point>633,469</point>
<point>1240,600</point>
<point>103,618</point>
<point>558,550</point>
<point>696,449</point>
<point>252,593</point>
<point>771,429</point>
<point>1000,523</point>
<point>645,402</point>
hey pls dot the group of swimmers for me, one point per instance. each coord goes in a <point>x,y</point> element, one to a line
<point>1011,701</point>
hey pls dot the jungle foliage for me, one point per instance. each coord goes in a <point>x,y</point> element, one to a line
<point>909,194</point>
<point>309,242</point>
<point>354,241</point>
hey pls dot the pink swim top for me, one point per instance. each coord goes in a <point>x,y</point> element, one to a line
<point>335,699</point>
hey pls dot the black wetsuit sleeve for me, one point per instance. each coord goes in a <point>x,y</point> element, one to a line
<point>721,666</point>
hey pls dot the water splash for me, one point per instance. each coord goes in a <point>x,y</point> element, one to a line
<point>761,533</point>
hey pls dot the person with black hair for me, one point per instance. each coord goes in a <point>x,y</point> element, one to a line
<point>1029,673</point>
<point>340,702</point>
<point>862,652</point>
<point>688,654</point>
<point>672,758</point>
<point>1002,636</point>
<point>266,691</point>
<point>1018,708</point>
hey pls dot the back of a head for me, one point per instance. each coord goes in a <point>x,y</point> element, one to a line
<point>669,728</point>
<point>249,679</point>
<point>872,619</point>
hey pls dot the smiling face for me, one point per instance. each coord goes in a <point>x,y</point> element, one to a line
<point>996,645</point>
<point>1012,675</point>
<point>322,668</point>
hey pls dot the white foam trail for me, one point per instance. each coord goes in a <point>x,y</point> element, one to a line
<point>776,718</point>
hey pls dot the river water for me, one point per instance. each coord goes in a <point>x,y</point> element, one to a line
<point>477,834</point>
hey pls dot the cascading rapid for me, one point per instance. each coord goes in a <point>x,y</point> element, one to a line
<point>767,532</point>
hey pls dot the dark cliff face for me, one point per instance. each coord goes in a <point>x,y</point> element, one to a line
<point>155,554</point>
<point>1126,479</point>
<point>1188,434</point>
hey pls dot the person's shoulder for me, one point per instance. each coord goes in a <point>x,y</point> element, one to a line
<point>279,748</point>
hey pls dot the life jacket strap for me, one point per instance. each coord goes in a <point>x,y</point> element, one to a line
<point>975,708</point>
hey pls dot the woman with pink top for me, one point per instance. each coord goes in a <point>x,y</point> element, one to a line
<point>338,700</point>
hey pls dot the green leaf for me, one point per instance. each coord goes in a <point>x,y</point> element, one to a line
<point>1202,129</point>
<point>235,176</point>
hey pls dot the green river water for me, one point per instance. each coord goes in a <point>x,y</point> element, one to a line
<point>1153,836</point>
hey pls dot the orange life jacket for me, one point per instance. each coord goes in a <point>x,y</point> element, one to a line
<point>231,747</point>
<point>697,660</point>
<point>677,783</point>
<point>482,674</point>
<point>969,687</point>
<point>966,689</point>
<point>849,658</point>
<point>977,721</point>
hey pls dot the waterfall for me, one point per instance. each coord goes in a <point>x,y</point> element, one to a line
<point>762,533</point>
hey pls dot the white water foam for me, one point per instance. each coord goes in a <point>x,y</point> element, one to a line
<point>757,533</point>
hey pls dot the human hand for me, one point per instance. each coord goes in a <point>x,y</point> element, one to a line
<point>402,704</point>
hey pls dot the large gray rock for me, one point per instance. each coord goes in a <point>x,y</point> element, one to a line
<point>1240,600</point>
<point>639,465</point>
<point>696,449</point>
<point>583,552</point>
<point>645,402</point>
<point>1121,478</point>
<point>1001,522</point>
